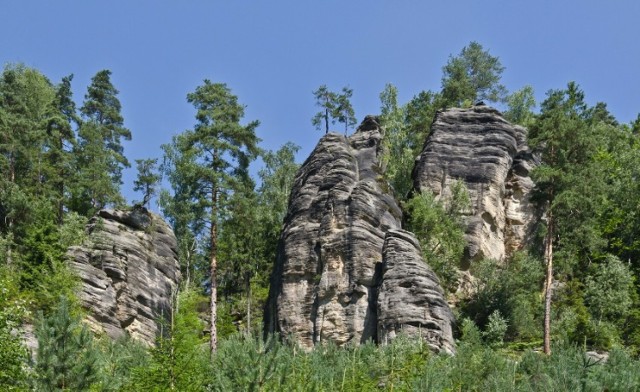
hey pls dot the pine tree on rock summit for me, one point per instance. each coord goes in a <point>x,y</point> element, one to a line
<point>100,154</point>
<point>334,107</point>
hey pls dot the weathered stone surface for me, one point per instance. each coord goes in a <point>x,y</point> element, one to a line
<point>410,300</point>
<point>129,269</point>
<point>491,157</point>
<point>325,282</point>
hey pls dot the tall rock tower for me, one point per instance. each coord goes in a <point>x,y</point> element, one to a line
<point>490,156</point>
<point>330,279</point>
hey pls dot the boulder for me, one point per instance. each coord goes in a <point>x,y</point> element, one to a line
<point>129,271</point>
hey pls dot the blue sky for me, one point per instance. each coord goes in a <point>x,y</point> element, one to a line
<point>273,54</point>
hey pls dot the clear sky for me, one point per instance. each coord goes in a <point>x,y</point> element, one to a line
<point>273,54</point>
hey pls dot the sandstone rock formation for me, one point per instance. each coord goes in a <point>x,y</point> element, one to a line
<point>129,270</point>
<point>490,155</point>
<point>410,299</point>
<point>327,274</point>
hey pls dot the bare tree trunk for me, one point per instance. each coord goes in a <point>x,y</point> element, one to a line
<point>9,220</point>
<point>326,121</point>
<point>548,292</point>
<point>248,282</point>
<point>213,343</point>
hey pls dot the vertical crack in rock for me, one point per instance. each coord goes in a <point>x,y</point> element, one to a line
<point>128,268</point>
<point>325,282</point>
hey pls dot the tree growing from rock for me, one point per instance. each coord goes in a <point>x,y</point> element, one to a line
<point>204,165</point>
<point>326,100</point>
<point>99,154</point>
<point>147,180</point>
<point>471,76</point>
<point>334,107</point>
<point>344,111</point>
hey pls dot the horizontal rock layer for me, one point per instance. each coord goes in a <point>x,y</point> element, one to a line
<point>490,156</point>
<point>129,270</point>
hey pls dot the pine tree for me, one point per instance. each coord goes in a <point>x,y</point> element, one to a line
<point>326,100</point>
<point>205,164</point>
<point>567,145</point>
<point>148,179</point>
<point>100,154</point>
<point>334,107</point>
<point>471,76</point>
<point>66,359</point>
<point>61,142</point>
<point>343,110</point>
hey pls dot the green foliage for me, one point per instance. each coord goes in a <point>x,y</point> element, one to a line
<point>117,361</point>
<point>334,107</point>
<point>470,333</point>
<point>180,359</point>
<point>439,229</point>
<point>520,105</point>
<point>147,180</point>
<point>513,290</point>
<point>581,183</point>
<point>608,290</point>
<point>344,111</point>
<point>204,165</point>
<point>100,154</point>
<point>398,158</point>
<point>240,240</point>
<point>244,363</point>
<point>66,357</point>
<point>208,167</point>
<point>276,179</point>
<point>13,355</point>
<point>567,145</point>
<point>471,76</point>
<point>496,329</point>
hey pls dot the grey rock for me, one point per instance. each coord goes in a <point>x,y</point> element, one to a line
<point>325,281</point>
<point>490,155</point>
<point>410,300</point>
<point>129,269</point>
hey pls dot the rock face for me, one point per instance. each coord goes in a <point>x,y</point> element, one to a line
<point>327,273</point>
<point>410,299</point>
<point>490,156</point>
<point>129,270</point>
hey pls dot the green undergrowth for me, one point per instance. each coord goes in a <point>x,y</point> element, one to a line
<point>244,363</point>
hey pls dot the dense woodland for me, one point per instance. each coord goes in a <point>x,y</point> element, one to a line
<point>61,160</point>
